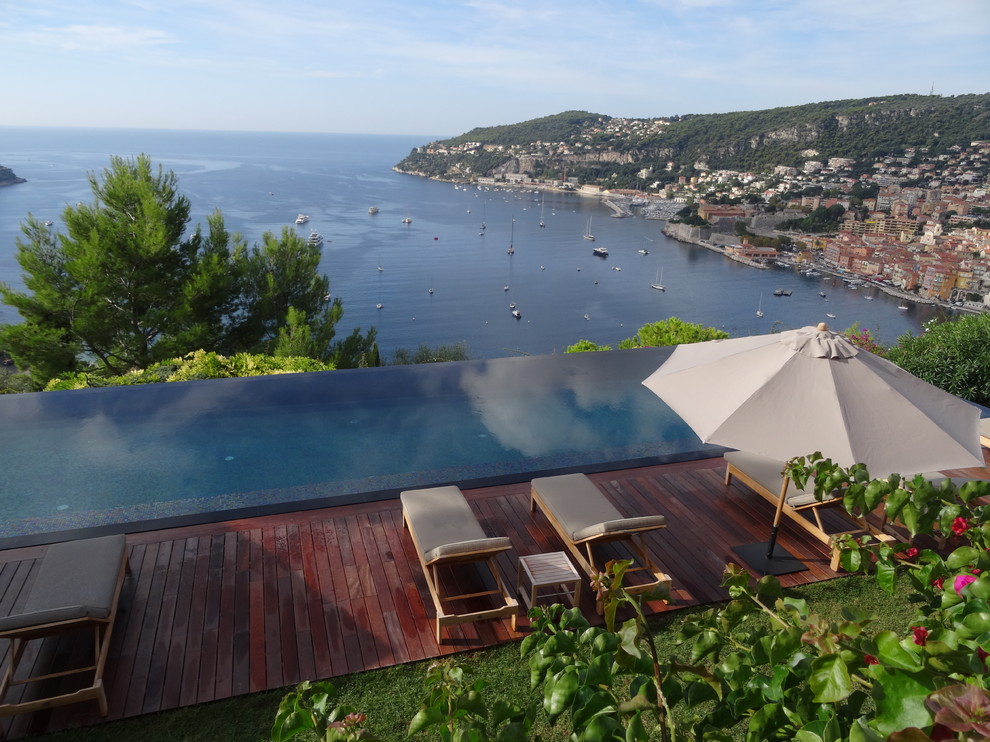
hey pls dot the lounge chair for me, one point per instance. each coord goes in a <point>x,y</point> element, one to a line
<point>77,588</point>
<point>446,532</point>
<point>583,517</point>
<point>765,477</point>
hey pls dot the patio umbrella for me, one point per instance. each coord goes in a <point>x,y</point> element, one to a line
<point>806,390</point>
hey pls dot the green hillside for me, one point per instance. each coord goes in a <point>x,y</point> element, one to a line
<point>601,145</point>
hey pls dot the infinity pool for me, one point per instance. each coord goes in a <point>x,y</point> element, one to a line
<point>207,450</point>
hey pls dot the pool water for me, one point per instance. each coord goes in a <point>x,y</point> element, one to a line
<point>209,450</point>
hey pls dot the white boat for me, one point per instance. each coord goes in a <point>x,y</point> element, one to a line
<point>587,316</point>
<point>903,307</point>
<point>644,251</point>
<point>372,209</point>
<point>616,268</point>
<point>505,288</point>
<point>379,305</point>
<point>302,219</point>
<point>759,307</point>
<point>407,220</point>
<point>542,223</point>
<point>829,315</point>
<point>315,238</point>
<point>601,252</point>
<point>512,237</point>
<point>587,232</point>
<point>657,281</point>
<point>516,313</point>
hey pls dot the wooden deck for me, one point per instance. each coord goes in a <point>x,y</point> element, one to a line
<point>247,605</point>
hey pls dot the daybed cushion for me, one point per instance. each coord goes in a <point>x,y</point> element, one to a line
<point>767,473</point>
<point>581,508</point>
<point>444,523</point>
<point>77,579</point>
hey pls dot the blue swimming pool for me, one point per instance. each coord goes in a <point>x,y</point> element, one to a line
<point>216,449</point>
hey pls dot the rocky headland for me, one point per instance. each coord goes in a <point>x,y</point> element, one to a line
<point>7,177</point>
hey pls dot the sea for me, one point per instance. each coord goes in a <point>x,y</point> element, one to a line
<point>439,279</point>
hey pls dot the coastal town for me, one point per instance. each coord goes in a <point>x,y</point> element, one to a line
<point>916,224</point>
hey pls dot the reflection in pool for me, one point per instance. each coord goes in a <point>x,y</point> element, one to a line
<point>208,449</point>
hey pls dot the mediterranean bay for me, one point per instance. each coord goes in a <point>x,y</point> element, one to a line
<point>440,278</point>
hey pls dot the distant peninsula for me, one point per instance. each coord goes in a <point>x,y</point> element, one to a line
<point>7,177</point>
<point>579,147</point>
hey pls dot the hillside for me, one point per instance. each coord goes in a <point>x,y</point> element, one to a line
<point>7,177</point>
<point>592,147</point>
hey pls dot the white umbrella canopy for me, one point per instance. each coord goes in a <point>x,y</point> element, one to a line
<point>806,390</point>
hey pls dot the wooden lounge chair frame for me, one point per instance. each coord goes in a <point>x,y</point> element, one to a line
<point>755,472</point>
<point>551,494</point>
<point>466,543</point>
<point>985,431</point>
<point>97,618</point>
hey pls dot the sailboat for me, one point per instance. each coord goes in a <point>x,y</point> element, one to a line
<point>512,236</point>
<point>484,210</point>
<point>587,231</point>
<point>656,284</point>
<point>542,223</point>
<point>759,307</point>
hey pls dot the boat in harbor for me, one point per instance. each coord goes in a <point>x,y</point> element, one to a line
<point>657,282</point>
<point>782,292</point>
<point>829,315</point>
<point>302,219</point>
<point>902,306</point>
<point>759,307</point>
<point>517,314</point>
<point>587,232</point>
<point>372,209</point>
<point>315,239</point>
<point>601,252</point>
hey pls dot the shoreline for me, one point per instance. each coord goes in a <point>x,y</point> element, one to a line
<point>678,235</point>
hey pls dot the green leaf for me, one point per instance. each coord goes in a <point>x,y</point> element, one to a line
<point>707,642</point>
<point>636,731</point>
<point>829,679</point>
<point>860,731</point>
<point>886,576</point>
<point>425,718</point>
<point>900,699</point>
<point>560,693</point>
<point>891,652</point>
<point>962,557</point>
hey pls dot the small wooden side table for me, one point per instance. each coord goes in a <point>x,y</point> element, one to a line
<point>548,570</point>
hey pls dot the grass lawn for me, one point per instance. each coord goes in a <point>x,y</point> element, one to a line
<point>391,697</point>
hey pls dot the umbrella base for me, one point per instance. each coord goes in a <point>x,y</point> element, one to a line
<point>781,563</point>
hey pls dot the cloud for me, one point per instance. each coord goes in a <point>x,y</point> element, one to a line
<point>96,39</point>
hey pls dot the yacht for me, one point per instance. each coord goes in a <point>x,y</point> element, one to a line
<point>315,238</point>
<point>902,306</point>
<point>302,219</point>
<point>601,252</point>
<point>372,209</point>
<point>517,314</point>
<point>407,220</point>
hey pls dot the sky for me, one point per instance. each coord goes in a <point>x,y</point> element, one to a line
<point>442,67</point>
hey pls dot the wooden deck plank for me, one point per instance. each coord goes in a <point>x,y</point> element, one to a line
<point>221,609</point>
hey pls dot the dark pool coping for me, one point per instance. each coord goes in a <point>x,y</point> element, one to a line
<point>220,516</point>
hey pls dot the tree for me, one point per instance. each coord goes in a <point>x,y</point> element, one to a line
<point>123,288</point>
<point>951,355</point>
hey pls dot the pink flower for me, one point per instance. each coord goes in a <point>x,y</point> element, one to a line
<point>920,635</point>
<point>961,581</point>
<point>910,553</point>
<point>960,525</point>
<point>939,584</point>
<point>869,659</point>
<point>975,571</point>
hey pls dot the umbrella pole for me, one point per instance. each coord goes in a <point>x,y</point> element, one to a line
<point>761,557</point>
